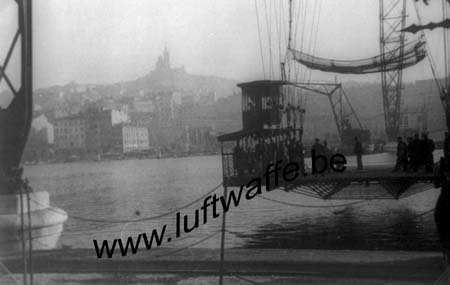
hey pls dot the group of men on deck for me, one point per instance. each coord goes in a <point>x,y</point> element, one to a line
<point>254,157</point>
<point>414,153</point>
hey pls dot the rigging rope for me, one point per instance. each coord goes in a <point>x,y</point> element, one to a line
<point>283,28</point>
<point>135,220</point>
<point>314,35</point>
<point>444,16</point>
<point>302,39</point>
<point>294,43</point>
<point>294,40</point>
<point>278,28</point>
<point>269,30</point>
<point>259,37</point>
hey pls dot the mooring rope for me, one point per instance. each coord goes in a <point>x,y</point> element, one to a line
<point>136,220</point>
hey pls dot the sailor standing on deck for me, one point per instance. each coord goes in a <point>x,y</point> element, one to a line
<point>317,149</point>
<point>358,150</point>
<point>402,155</point>
<point>427,150</point>
<point>414,150</point>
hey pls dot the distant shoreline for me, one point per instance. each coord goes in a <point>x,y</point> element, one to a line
<point>120,158</point>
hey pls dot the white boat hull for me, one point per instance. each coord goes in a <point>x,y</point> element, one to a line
<point>47,223</point>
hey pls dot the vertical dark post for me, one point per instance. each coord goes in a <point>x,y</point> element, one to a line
<point>30,239</point>
<point>222,241</point>
<point>22,230</point>
<point>26,91</point>
<point>444,31</point>
<point>289,45</point>
<point>28,83</point>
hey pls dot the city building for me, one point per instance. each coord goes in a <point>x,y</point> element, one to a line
<point>70,136</point>
<point>99,123</point>
<point>199,139</point>
<point>129,138</point>
<point>98,131</point>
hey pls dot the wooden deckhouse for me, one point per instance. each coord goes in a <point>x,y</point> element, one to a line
<point>272,116</point>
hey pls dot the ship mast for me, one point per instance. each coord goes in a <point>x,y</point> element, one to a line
<point>392,16</point>
<point>444,31</point>
<point>445,92</point>
<point>289,46</point>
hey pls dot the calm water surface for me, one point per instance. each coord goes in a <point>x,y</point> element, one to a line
<point>133,189</point>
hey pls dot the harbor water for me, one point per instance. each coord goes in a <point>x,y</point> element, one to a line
<point>103,200</point>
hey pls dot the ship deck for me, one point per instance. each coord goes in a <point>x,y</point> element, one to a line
<point>371,182</point>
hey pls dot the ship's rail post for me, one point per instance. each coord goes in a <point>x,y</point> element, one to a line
<point>222,239</point>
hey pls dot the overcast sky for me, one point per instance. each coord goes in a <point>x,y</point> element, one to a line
<point>105,41</point>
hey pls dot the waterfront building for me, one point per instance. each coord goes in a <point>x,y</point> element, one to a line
<point>130,138</point>
<point>70,136</point>
<point>98,131</point>
<point>200,139</point>
<point>99,123</point>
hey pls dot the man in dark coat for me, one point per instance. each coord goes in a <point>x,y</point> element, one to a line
<point>414,151</point>
<point>318,149</point>
<point>327,152</point>
<point>427,147</point>
<point>402,155</point>
<point>358,150</point>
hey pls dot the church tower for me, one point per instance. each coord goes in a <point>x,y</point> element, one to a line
<point>163,62</point>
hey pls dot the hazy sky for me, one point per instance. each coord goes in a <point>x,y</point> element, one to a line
<point>105,41</point>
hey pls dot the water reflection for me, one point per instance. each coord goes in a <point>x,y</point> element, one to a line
<point>347,230</point>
